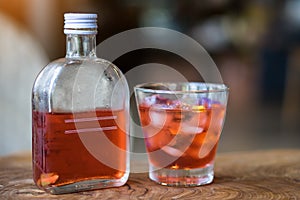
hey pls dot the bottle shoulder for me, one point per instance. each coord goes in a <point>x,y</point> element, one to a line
<point>82,62</point>
<point>61,65</point>
<point>67,80</point>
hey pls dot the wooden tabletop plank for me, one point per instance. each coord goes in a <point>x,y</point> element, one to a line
<point>272,174</point>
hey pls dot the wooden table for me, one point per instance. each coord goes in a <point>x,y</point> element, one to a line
<point>272,174</point>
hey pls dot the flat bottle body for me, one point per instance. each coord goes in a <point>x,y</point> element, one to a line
<point>80,126</point>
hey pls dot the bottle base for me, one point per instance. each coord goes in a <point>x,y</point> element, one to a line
<point>182,177</point>
<point>86,185</point>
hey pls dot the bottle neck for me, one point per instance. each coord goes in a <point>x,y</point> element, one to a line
<point>81,46</point>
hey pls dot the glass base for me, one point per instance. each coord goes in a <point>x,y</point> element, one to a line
<point>182,177</point>
<point>87,185</point>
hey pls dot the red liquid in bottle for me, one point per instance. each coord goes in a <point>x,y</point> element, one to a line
<point>60,155</point>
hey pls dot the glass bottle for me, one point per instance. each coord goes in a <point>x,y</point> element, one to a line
<point>80,116</point>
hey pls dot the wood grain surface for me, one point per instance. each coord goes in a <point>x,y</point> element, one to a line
<point>272,174</point>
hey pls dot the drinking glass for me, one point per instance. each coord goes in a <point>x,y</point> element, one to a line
<point>181,123</point>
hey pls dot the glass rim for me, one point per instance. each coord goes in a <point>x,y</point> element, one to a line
<point>205,87</point>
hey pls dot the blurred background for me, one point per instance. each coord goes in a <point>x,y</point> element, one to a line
<point>255,44</point>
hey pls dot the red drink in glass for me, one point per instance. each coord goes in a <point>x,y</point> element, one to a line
<point>188,138</point>
<point>182,123</point>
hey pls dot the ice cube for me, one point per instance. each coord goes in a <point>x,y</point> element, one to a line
<point>187,128</point>
<point>150,131</point>
<point>157,138</point>
<point>209,143</point>
<point>218,113</point>
<point>158,117</point>
<point>189,99</point>
<point>203,116</point>
<point>181,141</point>
<point>162,100</point>
<point>193,122</point>
<point>157,99</point>
<point>150,100</point>
<point>207,102</point>
<point>172,151</point>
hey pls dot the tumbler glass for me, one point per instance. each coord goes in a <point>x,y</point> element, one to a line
<point>181,123</point>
